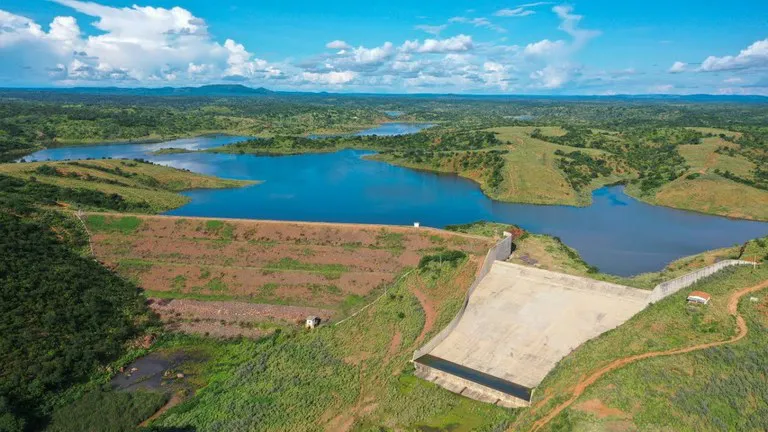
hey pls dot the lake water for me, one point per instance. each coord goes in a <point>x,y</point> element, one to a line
<point>617,233</point>
<point>395,129</point>
<point>130,151</point>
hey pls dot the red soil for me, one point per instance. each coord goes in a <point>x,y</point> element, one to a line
<point>229,319</point>
<point>430,312</point>
<point>243,259</point>
<point>394,344</point>
<point>599,409</point>
<point>236,311</point>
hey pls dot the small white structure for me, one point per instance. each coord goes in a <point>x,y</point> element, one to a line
<point>312,322</point>
<point>699,297</point>
<point>416,224</point>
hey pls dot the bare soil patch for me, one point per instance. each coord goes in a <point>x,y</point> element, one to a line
<point>430,312</point>
<point>236,311</point>
<point>172,402</point>
<point>217,329</point>
<point>599,409</point>
<point>286,263</point>
<point>394,344</point>
<point>230,319</point>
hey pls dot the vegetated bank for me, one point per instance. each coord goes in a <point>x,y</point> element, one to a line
<point>354,375</point>
<point>705,170</point>
<point>122,185</point>
<point>682,168</point>
<point>31,120</point>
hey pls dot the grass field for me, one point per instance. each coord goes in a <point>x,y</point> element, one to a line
<point>703,159</point>
<point>533,171</point>
<point>711,194</point>
<point>493,230</point>
<point>715,131</point>
<point>715,389</point>
<point>117,411</point>
<point>701,189</point>
<point>136,182</point>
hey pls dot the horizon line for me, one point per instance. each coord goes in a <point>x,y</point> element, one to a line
<point>354,93</point>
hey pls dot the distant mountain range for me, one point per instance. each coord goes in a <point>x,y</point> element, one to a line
<point>237,90</point>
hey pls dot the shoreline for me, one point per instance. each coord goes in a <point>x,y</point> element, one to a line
<point>372,157</point>
<point>623,183</point>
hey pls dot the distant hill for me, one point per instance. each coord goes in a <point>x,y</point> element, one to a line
<point>220,90</point>
<point>238,90</point>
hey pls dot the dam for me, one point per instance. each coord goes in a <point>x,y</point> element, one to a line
<point>518,322</point>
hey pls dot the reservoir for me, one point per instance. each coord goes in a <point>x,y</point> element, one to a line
<point>617,233</point>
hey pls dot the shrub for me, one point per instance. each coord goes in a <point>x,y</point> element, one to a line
<point>452,257</point>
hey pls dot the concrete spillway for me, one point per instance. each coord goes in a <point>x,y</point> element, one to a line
<point>520,321</point>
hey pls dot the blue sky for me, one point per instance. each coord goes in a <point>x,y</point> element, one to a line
<point>483,47</point>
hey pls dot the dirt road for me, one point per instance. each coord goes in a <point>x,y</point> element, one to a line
<point>742,330</point>
<point>430,312</point>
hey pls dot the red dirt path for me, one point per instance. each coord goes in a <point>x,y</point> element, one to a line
<point>430,313</point>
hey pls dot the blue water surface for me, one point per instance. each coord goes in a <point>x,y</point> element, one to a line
<point>617,233</point>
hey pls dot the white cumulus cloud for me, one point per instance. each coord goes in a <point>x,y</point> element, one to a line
<point>544,48</point>
<point>753,56</point>
<point>454,44</point>
<point>134,43</point>
<point>373,55</point>
<point>551,76</point>
<point>338,45</point>
<point>332,78</point>
<point>677,67</point>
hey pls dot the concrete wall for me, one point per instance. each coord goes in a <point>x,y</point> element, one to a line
<point>469,389</point>
<point>668,288</point>
<point>500,252</point>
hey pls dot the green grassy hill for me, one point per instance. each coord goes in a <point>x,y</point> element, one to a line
<point>136,186</point>
<point>520,168</point>
<point>703,189</point>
